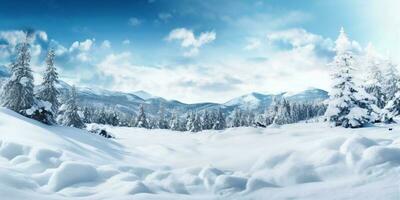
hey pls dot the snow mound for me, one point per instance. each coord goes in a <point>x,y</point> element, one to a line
<point>138,187</point>
<point>226,184</point>
<point>298,161</point>
<point>11,150</point>
<point>377,155</point>
<point>70,173</point>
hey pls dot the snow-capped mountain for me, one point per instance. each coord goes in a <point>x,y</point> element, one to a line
<point>144,95</point>
<point>258,101</point>
<point>130,102</point>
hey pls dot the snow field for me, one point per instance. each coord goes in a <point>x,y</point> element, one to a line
<point>302,161</point>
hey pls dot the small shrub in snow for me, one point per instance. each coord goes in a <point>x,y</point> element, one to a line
<point>41,111</point>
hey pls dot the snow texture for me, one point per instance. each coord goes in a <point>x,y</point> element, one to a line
<point>297,161</point>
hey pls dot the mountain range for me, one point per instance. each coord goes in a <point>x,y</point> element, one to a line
<point>130,102</point>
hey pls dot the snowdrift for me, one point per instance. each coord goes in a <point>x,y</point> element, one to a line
<point>299,161</point>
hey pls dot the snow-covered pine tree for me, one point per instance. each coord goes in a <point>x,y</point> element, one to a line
<point>141,120</point>
<point>348,104</point>
<point>391,80</point>
<point>162,122</point>
<point>47,90</point>
<point>237,118</point>
<point>219,122</point>
<point>18,91</point>
<point>271,111</point>
<point>70,112</point>
<point>196,127</point>
<point>283,116</point>
<point>374,81</point>
<point>207,120</point>
<point>175,123</point>
<point>190,117</point>
<point>391,110</point>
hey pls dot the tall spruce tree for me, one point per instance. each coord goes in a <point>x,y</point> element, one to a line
<point>47,90</point>
<point>207,120</point>
<point>18,91</point>
<point>219,122</point>
<point>196,125</point>
<point>237,118</point>
<point>70,112</point>
<point>348,104</point>
<point>162,122</point>
<point>141,120</point>
<point>175,123</point>
<point>391,80</point>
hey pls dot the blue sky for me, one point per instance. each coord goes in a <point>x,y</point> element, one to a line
<point>196,50</point>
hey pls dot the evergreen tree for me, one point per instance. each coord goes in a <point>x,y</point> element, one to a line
<point>283,116</point>
<point>219,122</point>
<point>391,80</point>
<point>190,121</point>
<point>141,120</point>
<point>175,123</point>
<point>196,125</point>
<point>392,109</point>
<point>162,122</point>
<point>272,111</point>
<point>374,80</point>
<point>207,121</point>
<point>70,112</point>
<point>237,118</point>
<point>47,90</point>
<point>348,104</point>
<point>17,93</point>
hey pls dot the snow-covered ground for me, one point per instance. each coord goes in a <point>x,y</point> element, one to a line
<point>299,161</point>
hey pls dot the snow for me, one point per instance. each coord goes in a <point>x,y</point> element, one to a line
<point>70,173</point>
<point>297,161</point>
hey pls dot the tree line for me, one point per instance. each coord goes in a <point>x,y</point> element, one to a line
<point>376,98</point>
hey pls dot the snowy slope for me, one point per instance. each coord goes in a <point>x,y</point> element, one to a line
<point>298,161</point>
<point>144,95</point>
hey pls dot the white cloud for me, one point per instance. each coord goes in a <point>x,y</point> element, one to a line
<point>164,16</point>
<point>133,21</point>
<point>126,42</point>
<point>106,44</point>
<point>82,46</point>
<point>189,41</point>
<point>12,37</point>
<point>287,70</point>
<point>253,43</point>
<point>42,35</point>
<point>297,37</point>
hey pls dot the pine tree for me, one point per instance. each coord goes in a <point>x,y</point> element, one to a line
<point>141,120</point>
<point>162,122</point>
<point>70,112</point>
<point>47,90</point>
<point>374,81</point>
<point>271,112</point>
<point>207,121</point>
<point>175,123</point>
<point>196,125</point>
<point>391,110</point>
<point>190,117</point>
<point>348,104</point>
<point>237,118</point>
<point>283,116</point>
<point>17,93</point>
<point>219,122</point>
<point>391,80</point>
